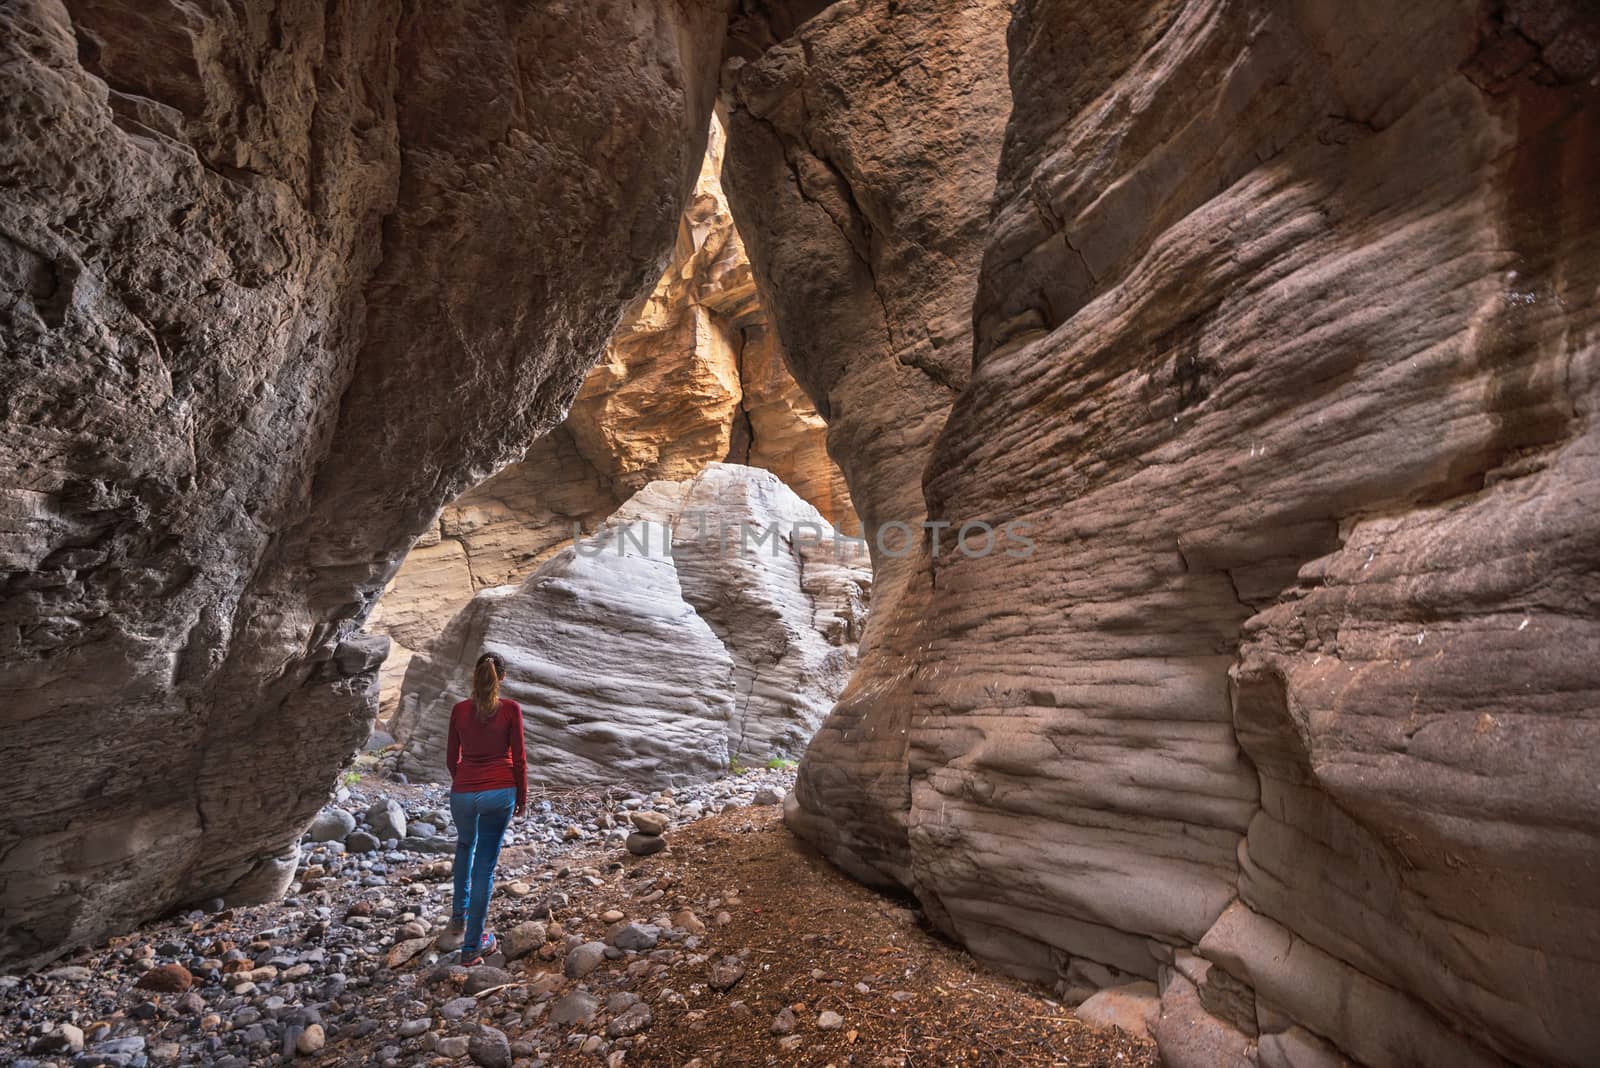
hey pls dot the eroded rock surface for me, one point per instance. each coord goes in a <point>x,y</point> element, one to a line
<point>1286,344</point>
<point>693,375</point>
<point>279,280</point>
<point>635,663</point>
<point>861,159</point>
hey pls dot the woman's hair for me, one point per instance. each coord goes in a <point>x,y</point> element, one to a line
<point>486,676</point>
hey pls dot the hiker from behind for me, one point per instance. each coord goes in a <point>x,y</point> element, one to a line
<point>488,782</point>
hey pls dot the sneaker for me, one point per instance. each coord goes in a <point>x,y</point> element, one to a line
<point>486,947</point>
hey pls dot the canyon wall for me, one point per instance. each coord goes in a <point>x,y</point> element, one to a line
<point>863,199</point>
<point>693,375</point>
<point>279,280</point>
<point>1286,347</point>
<point>654,665</point>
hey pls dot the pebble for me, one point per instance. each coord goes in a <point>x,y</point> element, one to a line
<point>483,978</point>
<point>637,937</point>
<point>634,1019</point>
<point>830,1021</point>
<point>583,959</point>
<point>362,842</point>
<point>350,960</point>
<point>166,979</point>
<point>650,822</point>
<point>577,1007</point>
<point>458,1008</point>
<point>726,973</point>
<point>784,1022</point>
<point>489,1048</point>
<point>644,845</point>
<point>311,1039</point>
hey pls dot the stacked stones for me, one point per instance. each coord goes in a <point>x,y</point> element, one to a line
<point>648,836</point>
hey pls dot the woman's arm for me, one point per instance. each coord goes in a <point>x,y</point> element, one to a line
<point>519,759</point>
<point>452,747</point>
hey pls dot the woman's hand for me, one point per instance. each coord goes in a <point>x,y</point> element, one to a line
<point>519,811</point>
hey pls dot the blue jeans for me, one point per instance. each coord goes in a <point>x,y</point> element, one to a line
<point>481,820</point>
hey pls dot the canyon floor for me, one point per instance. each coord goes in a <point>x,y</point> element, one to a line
<point>737,945</point>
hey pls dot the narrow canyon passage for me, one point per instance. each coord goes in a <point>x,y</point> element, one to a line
<point>1117,482</point>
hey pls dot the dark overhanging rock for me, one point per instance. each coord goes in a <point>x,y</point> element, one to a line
<point>280,282</point>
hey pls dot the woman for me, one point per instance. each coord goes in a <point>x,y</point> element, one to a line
<point>488,782</point>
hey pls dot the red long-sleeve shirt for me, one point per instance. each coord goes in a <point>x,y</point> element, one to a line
<point>487,756</point>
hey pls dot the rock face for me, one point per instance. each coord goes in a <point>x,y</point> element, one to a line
<point>1287,336</point>
<point>693,375</point>
<point>638,664</point>
<point>866,238</point>
<point>279,280</point>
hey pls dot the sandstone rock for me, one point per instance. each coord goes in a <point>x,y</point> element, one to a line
<point>166,979</point>
<point>866,238</point>
<point>1134,1008</point>
<point>403,952</point>
<point>649,822</point>
<point>653,667</point>
<point>523,939</point>
<point>311,1040</point>
<point>263,319</point>
<point>1289,390</point>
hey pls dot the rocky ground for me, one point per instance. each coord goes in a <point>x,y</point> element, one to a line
<point>734,945</point>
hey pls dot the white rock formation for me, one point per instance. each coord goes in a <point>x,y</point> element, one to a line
<point>707,619</point>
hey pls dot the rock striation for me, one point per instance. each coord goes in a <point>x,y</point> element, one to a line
<point>1286,346</point>
<point>864,199</point>
<point>279,280</point>
<point>707,620</point>
<point>693,375</point>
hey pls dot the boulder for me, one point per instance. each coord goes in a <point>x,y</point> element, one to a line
<point>652,664</point>
<point>387,819</point>
<point>332,825</point>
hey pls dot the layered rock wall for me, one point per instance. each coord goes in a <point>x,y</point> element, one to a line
<point>693,375</point>
<point>708,620</point>
<point>279,280</point>
<point>863,198</point>
<point>1286,346</point>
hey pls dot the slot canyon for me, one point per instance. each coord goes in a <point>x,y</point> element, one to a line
<point>1177,635</point>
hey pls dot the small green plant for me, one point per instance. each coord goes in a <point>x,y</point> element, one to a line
<point>735,767</point>
<point>779,764</point>
<point>351,777</point>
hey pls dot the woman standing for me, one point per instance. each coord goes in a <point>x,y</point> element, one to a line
<point>488,782</point>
